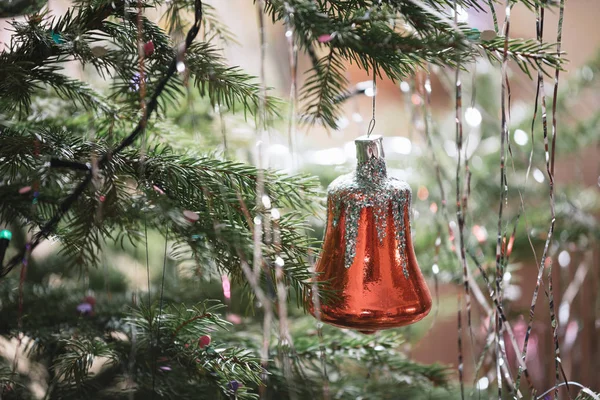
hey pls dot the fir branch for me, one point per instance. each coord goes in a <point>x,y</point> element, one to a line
<point>365,33</point>
<point>224,85</point>
<point>50,226</point>
<point>74,364</point>
<point>526,53</point>
<point>325,85</point>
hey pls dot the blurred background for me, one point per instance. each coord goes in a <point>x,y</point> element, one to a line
<point>399,113</point>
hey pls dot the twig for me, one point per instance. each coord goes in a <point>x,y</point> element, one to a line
<point>189,321</point>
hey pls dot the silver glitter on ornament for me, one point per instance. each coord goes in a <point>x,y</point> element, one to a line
<point>370,187</point>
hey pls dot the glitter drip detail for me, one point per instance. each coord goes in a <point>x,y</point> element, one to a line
<point>370,187</point>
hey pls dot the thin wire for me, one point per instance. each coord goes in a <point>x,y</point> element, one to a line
<point>147,258</point>
<point>372,122</point>
<point>160,305</point>
<point>162,283</point>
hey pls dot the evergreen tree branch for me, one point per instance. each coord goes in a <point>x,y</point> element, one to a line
<point>50,226</point>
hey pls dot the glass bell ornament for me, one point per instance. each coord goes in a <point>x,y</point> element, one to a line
<point>368,261</point>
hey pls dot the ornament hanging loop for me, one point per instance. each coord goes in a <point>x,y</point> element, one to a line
<point>371,126</point>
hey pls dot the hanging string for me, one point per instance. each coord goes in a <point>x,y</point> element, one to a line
<point>372,122</point>
<point>293,52</point>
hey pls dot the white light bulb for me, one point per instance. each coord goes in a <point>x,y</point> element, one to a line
<point>404,86</point>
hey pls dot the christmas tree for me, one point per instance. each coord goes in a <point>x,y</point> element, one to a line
<point>139,262</point>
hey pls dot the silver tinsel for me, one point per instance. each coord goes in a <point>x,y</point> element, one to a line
<point>369,186</point>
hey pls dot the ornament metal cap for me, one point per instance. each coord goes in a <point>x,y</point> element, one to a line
<point>369,147</point>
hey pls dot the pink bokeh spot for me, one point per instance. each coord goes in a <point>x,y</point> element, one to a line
<point>325,38</point>
<point>234,319</point>
<point>226,287</point>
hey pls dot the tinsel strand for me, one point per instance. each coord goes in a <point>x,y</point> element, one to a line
<point>316,300</point>
<point>550,171</point>
<point>539,93</point>
<point>286,343</point>
<point>459,210</point>
<point>503,188</point>
<point>260,191</point>
<point>293,98</point>
<point>460,349</point>
<point>426,110</point>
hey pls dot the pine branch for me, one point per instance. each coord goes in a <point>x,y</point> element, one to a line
<point>366,33</point>
<point>79,354</point>
<point>526,53</point>
<point>326,84</point>
<point>224,85</point>
<point>50,226</point>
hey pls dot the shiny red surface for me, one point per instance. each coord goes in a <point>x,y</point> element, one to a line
<point>373,293</point>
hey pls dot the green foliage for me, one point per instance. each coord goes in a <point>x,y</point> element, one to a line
<point>128,348</point>
<point>391,38</point>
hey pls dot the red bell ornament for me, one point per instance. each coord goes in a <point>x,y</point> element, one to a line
<point>368,260</point>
